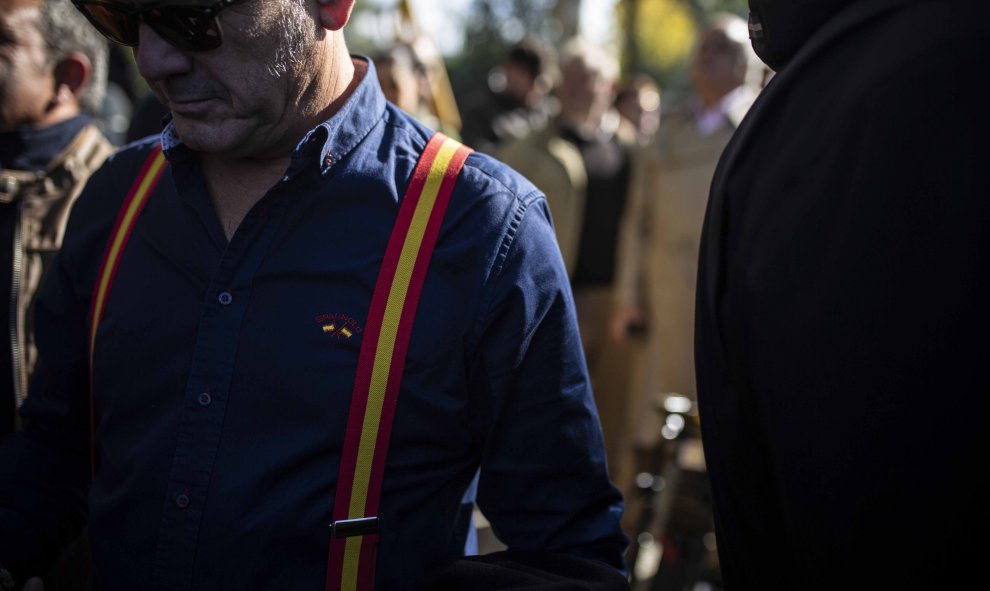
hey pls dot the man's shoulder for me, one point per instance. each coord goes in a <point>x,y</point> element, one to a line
<point>109,184</point>
<point>485,171</point>
<point>125,163</point>
<point>87,151</point>
<point>483,176</point>
<point>133,154</point>
<point>105,191</point>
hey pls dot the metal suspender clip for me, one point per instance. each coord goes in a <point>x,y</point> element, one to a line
<point>347,528</point>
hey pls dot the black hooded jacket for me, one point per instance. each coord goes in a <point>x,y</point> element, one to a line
<point>779,28</point>
<point>843,306</point>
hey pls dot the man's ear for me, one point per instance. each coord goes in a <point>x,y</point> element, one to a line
<point>72,73</point>
<point>334,14</point>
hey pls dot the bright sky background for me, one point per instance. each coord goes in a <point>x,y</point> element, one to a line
<point>441,17</point>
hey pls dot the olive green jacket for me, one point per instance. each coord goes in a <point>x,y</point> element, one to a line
<point>44,200</point>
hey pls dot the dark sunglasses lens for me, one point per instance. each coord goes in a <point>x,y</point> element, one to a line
<point>186,27</point>
<point>112,23</point>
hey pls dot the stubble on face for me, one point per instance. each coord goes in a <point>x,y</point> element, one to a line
<point>290,17</point>
<point>259,75</point>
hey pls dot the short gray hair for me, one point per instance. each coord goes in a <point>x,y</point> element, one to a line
<point>299,30</point>
<point>65,30</point>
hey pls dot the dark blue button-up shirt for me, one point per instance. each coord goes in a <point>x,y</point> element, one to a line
<point>221,399</point>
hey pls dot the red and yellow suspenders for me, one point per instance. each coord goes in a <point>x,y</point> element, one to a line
<point>137,197</point>
<point>354,530</point>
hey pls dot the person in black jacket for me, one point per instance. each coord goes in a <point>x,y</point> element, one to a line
<point>842,314</point>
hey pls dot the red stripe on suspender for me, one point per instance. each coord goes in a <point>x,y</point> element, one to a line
<point>366,360</point>
<point>373,328</point>
<point>369,550</point>
<point>406,326</point>
<point>118,227</point>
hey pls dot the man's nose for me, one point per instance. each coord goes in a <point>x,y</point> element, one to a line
<point>158,59</point>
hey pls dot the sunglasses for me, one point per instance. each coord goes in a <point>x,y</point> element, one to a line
<point>188,25</point>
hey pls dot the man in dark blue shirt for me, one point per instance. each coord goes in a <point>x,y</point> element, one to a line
<point>220,395</point>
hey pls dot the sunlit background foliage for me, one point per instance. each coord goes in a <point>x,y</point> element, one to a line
<point>652,36</point>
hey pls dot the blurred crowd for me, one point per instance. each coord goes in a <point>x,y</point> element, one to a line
<point>626,171</point>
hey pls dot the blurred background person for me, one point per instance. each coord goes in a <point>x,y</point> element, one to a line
<point>655,290</point>
<point>402,79</point>
<point>53,71</point>
<point>583,168</point>
<point>516,101</point>
<point>436,95</point>
<point>413,76</point>
<point>637,102</point>
<point>53,77</point>
<point>117,106</point>
<point>661,228</point>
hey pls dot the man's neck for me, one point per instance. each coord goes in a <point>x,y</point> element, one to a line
<point>237,183</point>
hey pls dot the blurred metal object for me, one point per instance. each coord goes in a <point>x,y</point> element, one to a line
<point>441,100</point>
<point>673,547</point>
<point>675,403</point>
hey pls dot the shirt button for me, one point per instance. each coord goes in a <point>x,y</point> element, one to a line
<point>205,399</point>
<point>182,501</point>
<point>225,298</point>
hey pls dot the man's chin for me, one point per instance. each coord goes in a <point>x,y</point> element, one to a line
<point>239,138</point>
<point>202,136</point>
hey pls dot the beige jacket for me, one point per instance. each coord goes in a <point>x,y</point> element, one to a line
<point>660,236</point>
<point>555,166</point>
<point>44,200</point>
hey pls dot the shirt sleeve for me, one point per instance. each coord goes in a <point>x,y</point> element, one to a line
<point>544,482</point>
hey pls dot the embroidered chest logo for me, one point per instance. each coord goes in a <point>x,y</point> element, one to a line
<point>340,326</point>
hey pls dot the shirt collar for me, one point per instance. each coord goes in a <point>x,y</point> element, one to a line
<point>339,134</point>
<point>730,109</point>
<point>34,148</point>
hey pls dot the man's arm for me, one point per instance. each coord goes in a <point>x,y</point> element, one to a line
<point>544,484</point>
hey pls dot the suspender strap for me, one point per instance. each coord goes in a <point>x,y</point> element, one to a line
<point>137,197</point>
<point>354,532</point>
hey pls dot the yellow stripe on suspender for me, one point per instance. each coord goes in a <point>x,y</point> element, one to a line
<point>384,352</point>
<point>146,185</point>
<point>134,202</point>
